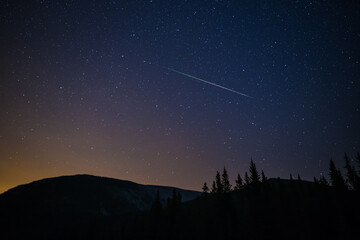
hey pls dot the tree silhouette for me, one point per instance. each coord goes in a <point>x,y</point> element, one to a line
<point>213,187</point>
<point>175,201</point>
<point>351,175</point>
<point>173,212</point>
<point>247,179</point>
<point>225,181</point>
<point>219,185</point>
<point>205,189</point>
<point>291,177</point>
<point>263,177</point>
<point>156,206</point>
<point>155,216</point>
<point>333,173</point>
<point>254,174</point>
<point>323,181</point>
<point>238,183</point>
<point>316,181</point>
<point>298,177</point>
<point>336,178</point>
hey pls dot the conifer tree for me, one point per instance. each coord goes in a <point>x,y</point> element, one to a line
<point>351,175</point>
<point>219,186</point>
<point>178,197</point>
<point>358,175</point>
<point>254,174</point>
<point>341,179</point>
<point>316,181</point>
<point>263,177</point>
<point>291,177</point>
<point>173,206</point>
<point>238,183</point>
<point>156,206</point>
<point>323,181</point>
<point>225,181</point>
<point>298,177</point>
<point>247,179</point>
<point>175,201</point>
<point>205,189</point>
<point>333,173</point>
<point>213,187</point>
<point>155,216</point>
<point>336,177</point>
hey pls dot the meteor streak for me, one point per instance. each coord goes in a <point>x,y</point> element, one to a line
<point>214,84</point>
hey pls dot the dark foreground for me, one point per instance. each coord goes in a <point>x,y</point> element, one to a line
<point>276,209</point>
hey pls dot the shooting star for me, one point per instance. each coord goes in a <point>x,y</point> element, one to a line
<point>214,84</point>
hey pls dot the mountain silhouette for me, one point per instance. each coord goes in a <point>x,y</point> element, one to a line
<point>90,207</point>
<point>88,194</point>
<point>53,206</point>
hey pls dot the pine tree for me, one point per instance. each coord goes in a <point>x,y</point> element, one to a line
<point>351,175</point>
<point>155,216</point>
<point>316,181</point>
<point>219,186</point>
<point>336,178</point>
<point>156,206</point>
<point>358,175</point>
<point>179,197</point>
<point>173,206</point>
<point>298,177</point>
<point>175,201</point>
<point>291,177</point>
<point>341,179</point>
<point>333,173</point>
<point>263,177</point>
<point>323,181</point>
<point>205,189</point>
<point>254,174</point>
<point>213,188</point>
<point>225,181</point>
<point>247,179</point>
<point>238,183</point>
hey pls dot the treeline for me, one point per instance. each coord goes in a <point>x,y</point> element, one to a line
<point>221,184</point>
<point>258,208</point>
<point>351,181</point>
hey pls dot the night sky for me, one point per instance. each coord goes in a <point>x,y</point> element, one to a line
<point>96,87</point>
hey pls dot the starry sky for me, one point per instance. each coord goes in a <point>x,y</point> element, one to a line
<point>86,88</point>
